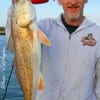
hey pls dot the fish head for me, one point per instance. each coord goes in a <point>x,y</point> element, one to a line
<point>16,1</point>
<point>24,11</point>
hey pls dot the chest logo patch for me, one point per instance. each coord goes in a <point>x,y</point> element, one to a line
<point>88,40</point>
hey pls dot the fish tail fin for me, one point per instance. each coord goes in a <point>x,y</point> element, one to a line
<point>43,38</point>
<point>40,83</point>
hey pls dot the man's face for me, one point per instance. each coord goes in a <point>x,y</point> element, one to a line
<point>73,9</point>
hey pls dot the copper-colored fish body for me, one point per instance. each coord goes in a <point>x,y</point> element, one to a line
<point>27,47</point>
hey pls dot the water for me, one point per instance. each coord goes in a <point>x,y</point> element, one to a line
<point>14,91</point>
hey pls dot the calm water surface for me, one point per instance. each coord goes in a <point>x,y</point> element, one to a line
<point>14,91</point>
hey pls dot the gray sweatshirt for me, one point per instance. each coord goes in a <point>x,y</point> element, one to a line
<point>71,70</point>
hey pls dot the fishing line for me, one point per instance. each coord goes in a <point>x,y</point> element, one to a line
<point>9,77</point>
<point>4,96</point>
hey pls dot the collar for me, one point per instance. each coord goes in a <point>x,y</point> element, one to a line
<point>86,23</point>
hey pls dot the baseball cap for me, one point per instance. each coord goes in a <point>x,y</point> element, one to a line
<point>39,1</point>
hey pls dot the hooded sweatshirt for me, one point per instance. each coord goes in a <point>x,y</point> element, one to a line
<point>71,70</point>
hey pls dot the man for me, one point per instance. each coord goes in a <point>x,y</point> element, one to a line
<point>71,65</point>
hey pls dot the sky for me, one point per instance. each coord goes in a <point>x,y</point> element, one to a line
<point>52,10</point>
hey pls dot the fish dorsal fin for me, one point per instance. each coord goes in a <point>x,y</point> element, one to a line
<point>43,38</point>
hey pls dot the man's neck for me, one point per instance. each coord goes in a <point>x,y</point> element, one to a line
<point>70,28</point>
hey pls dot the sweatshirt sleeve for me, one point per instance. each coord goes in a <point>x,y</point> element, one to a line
<point>45,25</point>
<point>97,78</point>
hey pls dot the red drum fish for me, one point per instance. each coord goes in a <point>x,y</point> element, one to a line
<point>27,39</point>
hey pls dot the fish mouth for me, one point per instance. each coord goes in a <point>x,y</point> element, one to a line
<point>18,0</point>
<point>21,1</point>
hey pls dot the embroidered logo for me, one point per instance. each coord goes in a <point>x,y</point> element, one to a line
<point>88,40</point>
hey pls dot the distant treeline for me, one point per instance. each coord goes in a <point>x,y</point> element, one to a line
<point>2,30</point>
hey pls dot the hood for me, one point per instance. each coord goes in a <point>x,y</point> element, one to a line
<point>84,24</point>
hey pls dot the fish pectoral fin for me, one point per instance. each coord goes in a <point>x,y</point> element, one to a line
<point>40,83</point>
<point>43,38</point>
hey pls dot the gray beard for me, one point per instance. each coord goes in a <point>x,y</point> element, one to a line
<point>74,17</point>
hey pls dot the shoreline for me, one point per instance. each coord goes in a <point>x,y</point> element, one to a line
<point>2,33</point>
